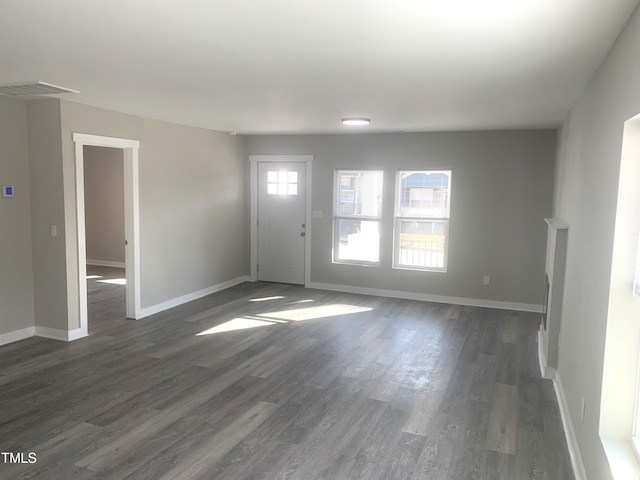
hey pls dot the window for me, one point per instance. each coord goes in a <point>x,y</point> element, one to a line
<point>619,402</point>
<point>421,228</point>
<point>357,214</point>
<point>282,183</point>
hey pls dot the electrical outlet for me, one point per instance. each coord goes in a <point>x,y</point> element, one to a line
<point>486,280</point>
<point>582,409</point>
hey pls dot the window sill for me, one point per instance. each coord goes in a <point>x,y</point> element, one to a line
<point>622,457</point>
<point>356,263</point>
<point>418,269</point>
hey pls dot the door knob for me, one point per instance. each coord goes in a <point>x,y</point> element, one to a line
<point>302,234</point>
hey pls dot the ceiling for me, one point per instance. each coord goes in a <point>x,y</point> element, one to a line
<point>299,66</point>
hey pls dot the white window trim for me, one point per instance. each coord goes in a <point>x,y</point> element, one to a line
<point>398,218</point>
<point>337,218</point>
<point>635,439</point>
<point>619,411</point>
<point>636,277</point>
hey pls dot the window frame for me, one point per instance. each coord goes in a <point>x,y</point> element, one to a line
<point>337,217</point>
<point>398,218</point>
<point>635,293</point>
<point>635,434</point>
<point>636,276</point>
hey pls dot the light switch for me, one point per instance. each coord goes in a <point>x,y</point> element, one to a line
<point>54,230</point>
<point>8,191</point>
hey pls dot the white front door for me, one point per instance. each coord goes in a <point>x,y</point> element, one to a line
<point>281,222</point>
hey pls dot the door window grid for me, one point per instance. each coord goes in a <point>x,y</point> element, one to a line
<point>282,183</point>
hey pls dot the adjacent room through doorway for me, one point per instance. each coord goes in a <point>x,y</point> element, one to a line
<point>104,203</point>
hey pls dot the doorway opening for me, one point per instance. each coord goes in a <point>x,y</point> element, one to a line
<point>104,235</point>
<point>128,149</point>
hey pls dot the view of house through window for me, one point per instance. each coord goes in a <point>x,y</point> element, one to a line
<point>357,215</point>
<point>422,219</point>
<point>421,226</point>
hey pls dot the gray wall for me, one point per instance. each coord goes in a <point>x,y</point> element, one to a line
<point>104,204</point>
<point>502,188</point>
<point>192,203</point>
<point>193,199</point>
<point>588,173</point>
<point>16,267</point>
<point>47,208</point>
<point>193,209</point>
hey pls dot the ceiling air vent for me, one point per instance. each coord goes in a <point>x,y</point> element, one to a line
<point>25,89</point>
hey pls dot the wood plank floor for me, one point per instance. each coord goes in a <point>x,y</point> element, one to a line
<point>270,381</point>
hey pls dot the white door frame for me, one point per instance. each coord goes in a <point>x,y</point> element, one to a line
<point>254,161</point>
<point>131,221</point>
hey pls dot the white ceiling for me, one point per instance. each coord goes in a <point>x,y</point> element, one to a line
<point>299,66</point>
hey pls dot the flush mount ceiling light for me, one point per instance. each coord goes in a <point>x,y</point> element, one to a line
<point>356,121</point>
<point>25,89</point>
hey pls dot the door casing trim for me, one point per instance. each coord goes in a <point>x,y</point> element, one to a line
<point>132,222</point>
<point>254,160</point>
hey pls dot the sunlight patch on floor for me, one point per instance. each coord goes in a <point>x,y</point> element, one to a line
<point>114,281</point>
<point>265,299</point>
<point>311,313</point>
<point>240,323</point>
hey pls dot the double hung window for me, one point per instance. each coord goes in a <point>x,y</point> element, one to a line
<point>357,216</point>
<point>421,227</point>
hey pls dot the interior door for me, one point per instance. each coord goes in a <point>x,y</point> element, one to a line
<point>281,222</point>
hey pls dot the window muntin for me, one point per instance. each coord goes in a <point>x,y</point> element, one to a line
<point>421,227</point>
<point>357,216</point>
<point>282,183</point>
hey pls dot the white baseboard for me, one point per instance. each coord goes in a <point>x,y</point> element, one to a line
<point>46,332</point>
<point>62,335</point>
<point>545,371</point>
<point>472,302</point>
<point>160,307</point>
<point>76,334</point>
<point>570,434</point>
<point>16,335</point>
<point>105,263</point>
<point>53,333</point>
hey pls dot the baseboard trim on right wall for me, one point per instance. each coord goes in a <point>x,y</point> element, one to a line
<point>569,432</point>
<point>545,371</point>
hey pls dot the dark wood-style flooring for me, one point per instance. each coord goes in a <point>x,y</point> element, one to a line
<point>270,381</point>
